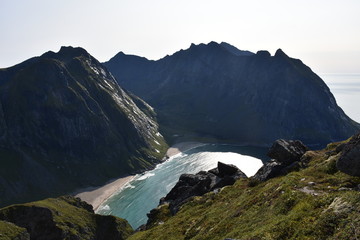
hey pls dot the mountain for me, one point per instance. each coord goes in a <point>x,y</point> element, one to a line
<point>220,91</point>
<point>65,123</point>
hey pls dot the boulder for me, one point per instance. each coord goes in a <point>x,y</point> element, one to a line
<point>270,169</point>
<point>287,151</point>
<point>226,169</point>
<point>190,185</point>
<point>349,160</point>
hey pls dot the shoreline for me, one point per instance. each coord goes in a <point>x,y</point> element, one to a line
<point>182,147</point>
<point>98,195</point>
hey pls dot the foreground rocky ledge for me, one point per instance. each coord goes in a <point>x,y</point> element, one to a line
<point>60,218</point>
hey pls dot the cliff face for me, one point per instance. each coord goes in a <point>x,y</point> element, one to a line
<point>65,123</point>
<point>217,90</point>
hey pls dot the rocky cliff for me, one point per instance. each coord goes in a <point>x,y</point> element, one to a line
<point>219,90</point>
<point>65,123</point>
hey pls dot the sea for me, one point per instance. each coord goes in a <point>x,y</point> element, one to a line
<point>346,89</point>
<point>143,193</point>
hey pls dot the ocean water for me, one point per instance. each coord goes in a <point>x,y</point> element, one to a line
<point>346,89</point>
<point>143,193</point>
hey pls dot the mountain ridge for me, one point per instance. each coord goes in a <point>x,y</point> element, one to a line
<point>208,90</point>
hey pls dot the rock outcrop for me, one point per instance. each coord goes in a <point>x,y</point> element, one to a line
<point>218,90</point>
<point>349,161</point>
<point>287,151</point>
<point>190,185</point>
<point>62,218</point>
<point>286,156</point>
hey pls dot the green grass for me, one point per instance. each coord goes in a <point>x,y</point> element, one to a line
<point>9,231</point>
<point>65,216</point>
<point>276,209</point>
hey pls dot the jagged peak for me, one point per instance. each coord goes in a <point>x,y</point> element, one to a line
<point>280,53</point>
<point>263,53</point>
<point>66,53</point>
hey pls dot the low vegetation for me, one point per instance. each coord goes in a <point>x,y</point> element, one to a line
<point>317,202</point>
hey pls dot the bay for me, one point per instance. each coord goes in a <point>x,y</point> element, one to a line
<point>143,193</point>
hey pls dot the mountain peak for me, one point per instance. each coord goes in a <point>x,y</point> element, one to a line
<point>280,53</point>
<point>66,53</point>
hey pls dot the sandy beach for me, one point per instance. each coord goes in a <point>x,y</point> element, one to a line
<point>182,147</point>
<point>97,195</point>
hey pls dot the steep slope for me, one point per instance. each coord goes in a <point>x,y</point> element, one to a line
<point>60,218</point>
<point>316,202</point>
<point>218,90</point>
<point>66,123</point>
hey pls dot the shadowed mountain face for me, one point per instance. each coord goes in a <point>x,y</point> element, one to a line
<point>66,123</point>
<point>218,90</point>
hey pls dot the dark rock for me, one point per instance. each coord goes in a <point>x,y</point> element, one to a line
<point>190,185</point>
<point>287,151</point>
<point>225,181</point>
<point>269,170</point>
<point>111,228</point>
<point>214,171</point>
<point>349,160</point>
<point>295,166</point>
<point>226,169</point>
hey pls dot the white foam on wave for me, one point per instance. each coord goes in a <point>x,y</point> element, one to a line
<point>146,175</point>
<point>103,208</point>
<point>128,185</point>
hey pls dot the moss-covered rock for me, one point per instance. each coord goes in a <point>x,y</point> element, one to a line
<point>9,231</point>
<point>61,218</point>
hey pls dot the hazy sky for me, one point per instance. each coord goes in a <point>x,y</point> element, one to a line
<point>325,34</point>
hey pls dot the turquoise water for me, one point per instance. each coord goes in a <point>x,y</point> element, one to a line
<point>144,192</point>
<point>346,89</point>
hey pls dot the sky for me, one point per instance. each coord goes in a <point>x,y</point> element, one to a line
<point>324,34</point>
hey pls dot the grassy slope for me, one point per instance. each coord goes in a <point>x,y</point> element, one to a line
<point>276,209</point>
<point>69,217</point>
<point>9,231</point>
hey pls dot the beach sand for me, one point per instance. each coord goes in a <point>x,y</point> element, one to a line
<point>182,147</point>
<point>97,195</point>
